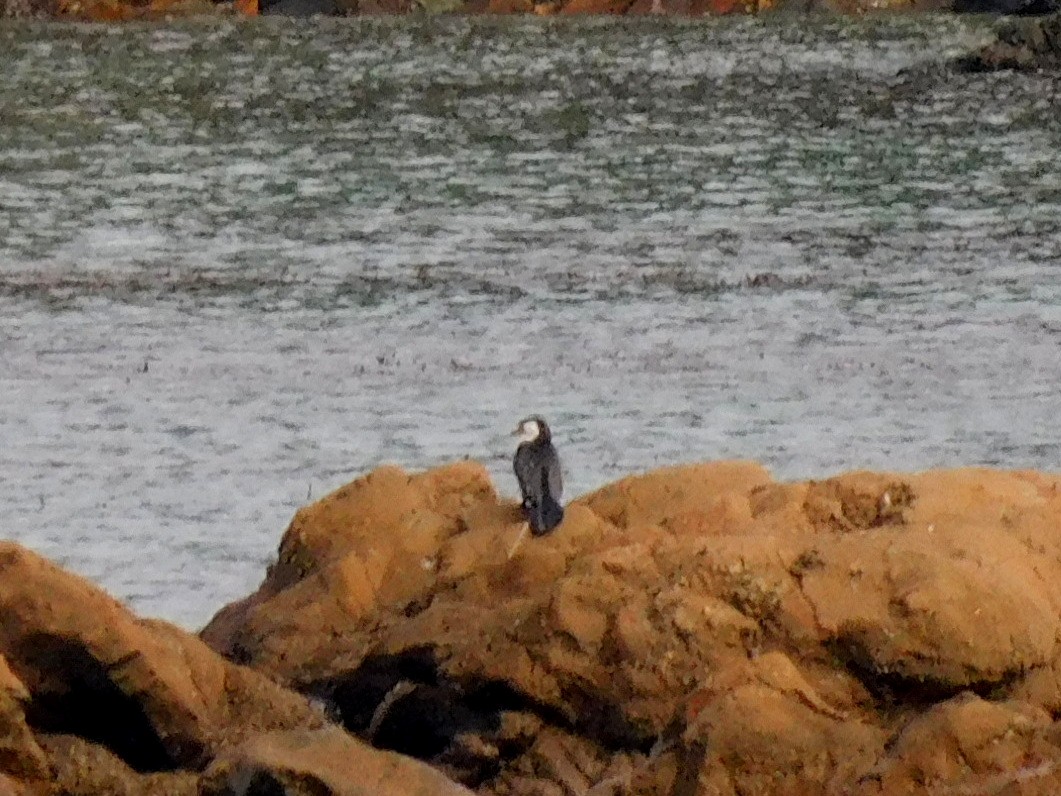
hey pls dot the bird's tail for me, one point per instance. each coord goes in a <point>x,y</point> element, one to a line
<point>545,516</point>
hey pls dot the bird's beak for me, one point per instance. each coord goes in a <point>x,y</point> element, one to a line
<point>517,432</point>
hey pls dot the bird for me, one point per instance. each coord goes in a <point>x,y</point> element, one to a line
<point>537,467</point>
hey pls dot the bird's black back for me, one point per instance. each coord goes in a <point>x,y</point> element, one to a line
<point>537,467</point>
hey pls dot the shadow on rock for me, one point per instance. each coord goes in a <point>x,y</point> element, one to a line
<point>96,701</point>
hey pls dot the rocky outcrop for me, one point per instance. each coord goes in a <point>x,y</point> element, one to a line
<point>695,630</point>
<point>96,701</point>
<point>699,629</point>
<point>26,9</point>
<point>130,10</point>
<point>1022,44</point>
<point>20,755</point>
<point>320,761</point>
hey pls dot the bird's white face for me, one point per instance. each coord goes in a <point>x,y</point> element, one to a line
<point>528,431</point>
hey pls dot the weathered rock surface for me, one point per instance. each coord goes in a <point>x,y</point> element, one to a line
<point>20,754</point>
<point>320,761</point>
<point>695,630</point>
<point>130,10</point>
<point>96,701</point>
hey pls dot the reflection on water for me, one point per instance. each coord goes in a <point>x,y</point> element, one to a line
<point>241,264</point>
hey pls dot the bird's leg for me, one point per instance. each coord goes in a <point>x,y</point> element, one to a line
<point>523,528</point>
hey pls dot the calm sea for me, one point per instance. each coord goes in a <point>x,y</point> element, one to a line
<point>241,264</point>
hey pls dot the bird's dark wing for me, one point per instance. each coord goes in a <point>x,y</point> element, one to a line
<point>526,472</point>
<point>554,474</point>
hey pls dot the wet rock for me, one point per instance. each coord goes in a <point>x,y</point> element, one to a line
<point>695,629</point>
<point>298,8</point>
<point>373,8</point>
<point>684,8</point>
<point>1022,44</point>
<point>1008,7</point>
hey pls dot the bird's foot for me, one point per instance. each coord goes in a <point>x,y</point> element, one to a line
<point>524,527</point>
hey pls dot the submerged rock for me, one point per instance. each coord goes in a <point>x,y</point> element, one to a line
<point>1023,44</point>
<point>298,8</point>
<point>699,629</point>
<point>1008,7</point>
<point>26,9</point>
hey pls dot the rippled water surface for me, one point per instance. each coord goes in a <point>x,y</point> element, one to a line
<point>241,264</point>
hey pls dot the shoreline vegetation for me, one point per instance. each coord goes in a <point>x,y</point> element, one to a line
<point>126,10</point>
<point>695,629</point>
<point>1027,38</point>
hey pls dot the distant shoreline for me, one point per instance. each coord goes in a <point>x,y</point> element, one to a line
<point>160,10</point>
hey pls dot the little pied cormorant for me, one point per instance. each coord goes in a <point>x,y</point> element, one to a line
<point>538,471</point>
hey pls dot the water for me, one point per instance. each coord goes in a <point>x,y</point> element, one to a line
<point>241,264</point>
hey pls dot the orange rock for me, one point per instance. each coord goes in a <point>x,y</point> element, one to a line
<point>248,8</point>
<point>183,8</point>
<point>377,540</point>
<point>94,700</point>
<point>743,631</point>
<point>509,7</point>
<point>20,755</point>
<point>773,740</point>
<point>124,10</point>
<point>106,11</point>
<point>654,498</point>
<point>77,649</point>
<point>10,686</point>
<point>970,745</point>
<point>82,767</point>
<point>321,762</point>
<point>595,7</point>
